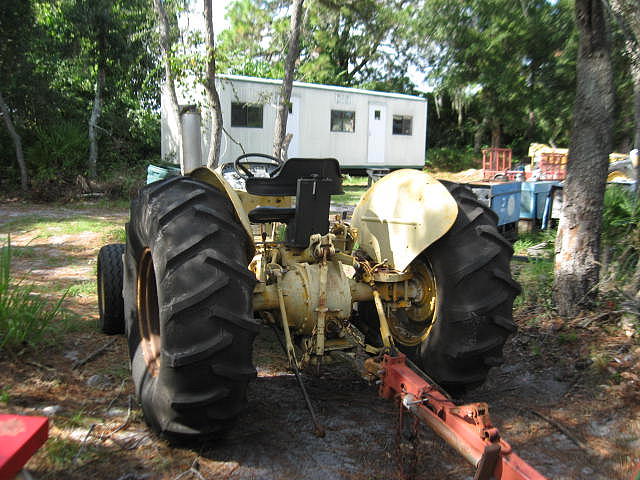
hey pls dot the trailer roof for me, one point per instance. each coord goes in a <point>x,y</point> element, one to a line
<point>319,86</point>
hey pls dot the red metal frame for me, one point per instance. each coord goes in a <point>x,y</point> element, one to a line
<point>467,428</point>
<point>20,437</point>
<point>495,161</point>
<point>553,166</point>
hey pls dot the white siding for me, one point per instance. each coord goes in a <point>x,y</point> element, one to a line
<point>316,138</point>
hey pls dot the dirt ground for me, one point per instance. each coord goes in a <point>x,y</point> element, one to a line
<point>567,397</point>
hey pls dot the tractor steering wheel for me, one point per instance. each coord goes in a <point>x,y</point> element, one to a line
<point>244,172</point>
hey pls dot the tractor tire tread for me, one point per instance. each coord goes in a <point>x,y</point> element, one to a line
<point>111,307</point>
<point>204,301</point>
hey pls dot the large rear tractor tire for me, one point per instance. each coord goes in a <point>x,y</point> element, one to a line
<point>188,308</point>
<point>110,304</point>
<point>457,334</point>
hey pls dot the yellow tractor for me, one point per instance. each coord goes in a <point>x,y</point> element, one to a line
<point>420,268</point>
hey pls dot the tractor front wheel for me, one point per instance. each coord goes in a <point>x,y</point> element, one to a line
<point>188,308</point>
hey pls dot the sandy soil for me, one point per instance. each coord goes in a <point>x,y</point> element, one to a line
<point>569,419</point>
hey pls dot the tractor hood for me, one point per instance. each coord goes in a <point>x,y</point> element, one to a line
<point>401,215</point>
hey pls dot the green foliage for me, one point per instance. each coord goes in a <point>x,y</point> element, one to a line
<point>343,43</point>
<point>58,153</point>
<point>508,66</point>
<point>528,240</point>
<point>621,228</point>
<point>24,316</point>
<point>451,159</point>
<point>536,280</point>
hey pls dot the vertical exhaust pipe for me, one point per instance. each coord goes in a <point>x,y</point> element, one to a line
<point>191,139</point>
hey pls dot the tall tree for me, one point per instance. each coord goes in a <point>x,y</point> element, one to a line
<point>503,57</point>
<point>212,93</point>
<point>345,43</point>
<point>577,245</point>
<point>293,52</point>
<point>17,141</point>
<point>169,84</point>
<point>16,73</point>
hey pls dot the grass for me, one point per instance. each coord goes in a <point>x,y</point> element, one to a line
<point>536,280</point>
<point>351,196</point>
<point>25,317</point>
<point>48,227</point>
<point>528,240</point>
<point>83,289</point>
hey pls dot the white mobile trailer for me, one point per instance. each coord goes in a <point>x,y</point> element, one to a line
<point>361,128</point>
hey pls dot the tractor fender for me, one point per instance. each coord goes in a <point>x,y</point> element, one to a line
<point>217,181</point>
<point>401,215</point>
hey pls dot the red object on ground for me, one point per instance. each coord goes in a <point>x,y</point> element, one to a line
<point>467,428</point>
<point>20,437</point>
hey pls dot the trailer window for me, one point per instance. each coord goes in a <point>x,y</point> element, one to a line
<point>343,121</point>
<point>246,115</point>
<point>402,125</point>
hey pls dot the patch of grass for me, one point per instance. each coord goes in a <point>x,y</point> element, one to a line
<point>351,196</point>
<point>25,252</point>
<point>528,240</point>
<point>348,180</point>
<point>536,280</point>
<point>25,317</point>
<point>48,227</point>
<point>83,289</point>
<point>115,235</point>
<point>4,395</point>
<point>567,337</point>
<point>59,453</point>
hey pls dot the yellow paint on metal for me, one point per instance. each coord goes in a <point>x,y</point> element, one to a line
<point>401,215</point>
<point>216,180</point>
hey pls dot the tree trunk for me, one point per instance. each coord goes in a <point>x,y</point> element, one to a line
<point>293,52</point>
<point>577,244</point>
<point>496,135</point>
<point>17,142</point>
<point>212,93</point>
<point>169,81</point>
<point>93,124</point>
<point>479,135</point>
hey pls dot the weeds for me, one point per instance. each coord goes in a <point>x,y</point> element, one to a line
<point>24,316</point>
<point>82,289</point>
<point>536,280</point>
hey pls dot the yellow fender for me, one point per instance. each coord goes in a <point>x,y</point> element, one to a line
<point>401,215</point>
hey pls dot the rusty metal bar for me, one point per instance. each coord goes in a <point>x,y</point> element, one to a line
<point>467,428</point>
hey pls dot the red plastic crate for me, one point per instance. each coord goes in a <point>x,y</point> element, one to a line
<point>20,437</point>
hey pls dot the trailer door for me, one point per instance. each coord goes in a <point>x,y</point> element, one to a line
<point>377,133</point>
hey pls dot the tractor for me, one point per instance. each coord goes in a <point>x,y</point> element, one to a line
<point>419,270</point>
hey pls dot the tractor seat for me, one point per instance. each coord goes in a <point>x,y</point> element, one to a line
<point>284,181</point>
<point>312,181</point>
<point>271,214</point>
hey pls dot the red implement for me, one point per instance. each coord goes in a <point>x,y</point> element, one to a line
<point>20,437</point>
<point>467,428</point>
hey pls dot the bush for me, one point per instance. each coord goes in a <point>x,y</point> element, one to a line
<point>621,229</point>
<point>451,159</point>
<point>59,152</point>
<point>24,316</point>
